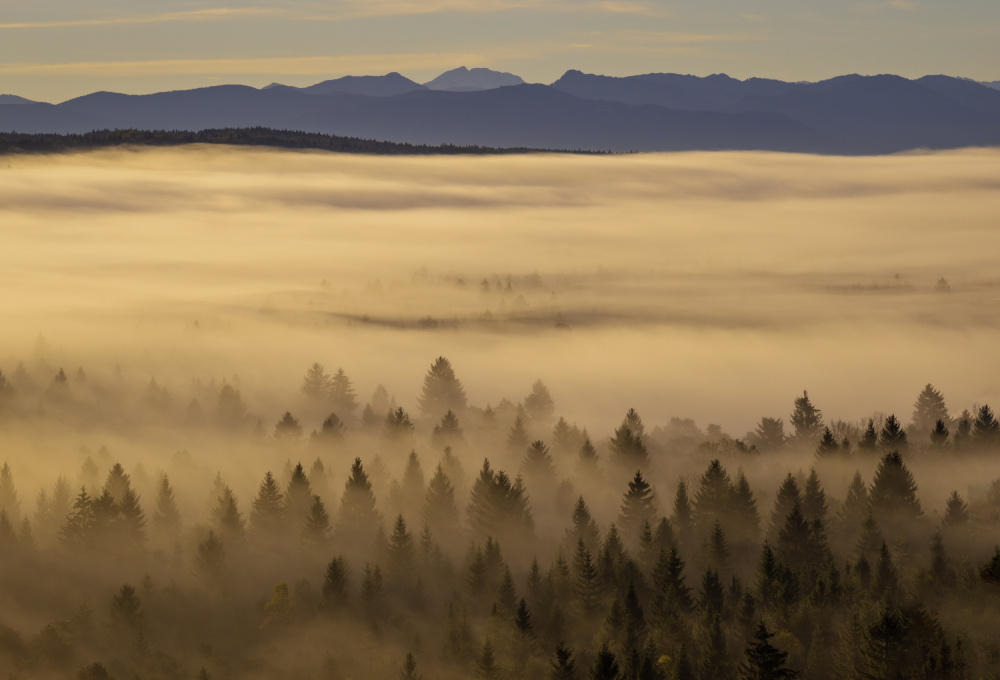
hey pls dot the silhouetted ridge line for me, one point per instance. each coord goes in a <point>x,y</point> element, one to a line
<point>13,142</point>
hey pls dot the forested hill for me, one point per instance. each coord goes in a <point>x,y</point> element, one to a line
<point>12,142</point>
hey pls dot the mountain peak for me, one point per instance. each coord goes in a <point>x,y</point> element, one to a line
<point>464,79</point>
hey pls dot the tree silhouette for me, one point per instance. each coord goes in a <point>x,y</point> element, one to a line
<point>985,428</point>
<point>893,494</point>
<point>638,505</point>
<point>268,507</point>
<point>442,391</point>
<point>956,511</point>
<point>166,517</point>
<point>316,384</point>
<point>807,421</point>
<point>397,425</point>
<point>928,409</point>
<point>517,438</point>
<point>357,518</point>
<point>762,660</point>
<point>210,558</point>
<point>288,428</point>
<point>341,393</point>
<point>230,411</point>
<point>335,585</point>
<point>317,526</point>
<point>628,446</point>
<point>539,404</point>
<point>562,665</point>
<point>892,437</point>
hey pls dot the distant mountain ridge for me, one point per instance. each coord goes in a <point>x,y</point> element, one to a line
<point>463,79</point>
<point>12,99</point>
<point>850,114</point>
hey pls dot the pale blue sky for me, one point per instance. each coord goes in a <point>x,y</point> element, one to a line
<point>52,50</point>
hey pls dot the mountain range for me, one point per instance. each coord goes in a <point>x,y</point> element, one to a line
<point>850,114</point>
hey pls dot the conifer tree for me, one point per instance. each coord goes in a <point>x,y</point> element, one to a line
<point>539,405</point>
<point>341,393</point>
<point>397,425</point>
<point>807,421</point>
<point>769,435</point>
<point>587,584</point>
<point>317,525</point>
<point>711,501</point>
<point>956,512</point>
<point>371,592</point>
<point>441,392</point>
<point>856,502</point>
<point>268,507</point>
<point>408,671</point>
<point>683,516</point>
<point>563,665</point>
<point>440,512</point>
<point>928,409</point>
<point>717,547</point>
<point>744,518</point>
<point>893,494</point>
<point>335,585</point>
<point>939,436</point>
<point>990,572</point>
<point>892,438</point>
<point>683,669</point>
<point>587,461</point>
<point>486,665</point>
<point>813,498</point>
<point>638,505</point>
<point>605,665</point>
<point>287,429</point>
<point>357,519</point>
<point>788,496</point>
<point>628,445</point>
<point>8,494</point>
<point>210,558</point>
<point>448,432</point>
<point>985,429</point>
<point>584,527</point>
<point>331,432</point>
<point>227,517</point>
<point>869,440</point>
<point>316,384</point>
<point>517,438</point>
<point>764,661</point>
<point>166,517</point>
<point>941,573</point>
<point>828,445</point>
<point>298,498</point>
<point>715,660</point>
<point>522,620</point>
<point>537,464</point>
<point>401,553</point>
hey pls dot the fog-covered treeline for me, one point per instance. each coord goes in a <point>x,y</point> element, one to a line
<point>162,533</point>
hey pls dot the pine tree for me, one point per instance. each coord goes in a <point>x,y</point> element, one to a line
<point>317,526</point>
<point>807,421</point>
<point>341,394</point>
<point>210,558</point>
<point>335,585</point>
<point>869,440</point>
<point>788,496</point>
<point>856,502</point>
<point>717,547</point>
<point>587,585</point>
<point>316,384</point>
<point>448,432</point>
<point>683,669</point>
<point>893,494</point>
<point>331,432</point>
<point>711,501</point>
<point>628,445</point>
<point>990,572</point>
<point>231,411</point>
<point>813,499</point>
<point>941,573</point>
<point>166,517</point>
<point>397,425</point>
<point>268,507</point>
<point>408,671</point>
<point>828,445</point>
<point>893,437</point>
<point>401,553</point>
<point>357,519</point>
<point>486,665</point>
<point>371,591</point>
<point>517,438</point>
<point>683,516</point>
<point>587,461</point>
<point>563,665</point>
<point>769,435</point>
<point>522,620</point>
<point>762,660</point>
<point>8,494</point>
<point>584,527</point>
<point>671,595</point>
<point>605,665</point>
<point>287,429</point>
<point>537,464</point>
<point>928,409</point>
<point>125,609</point>
<point>956,512</point>
<point>744,518</point>
<point>441,392</point>
<point>539,405</point>
<point>885,578</point>
<point>440,512</point>
<point>638,505</point>
<point>298,499</point>
<point>227,517</point>
<point>985,428</point>
<point>715,661</point>
<point>939,436</point>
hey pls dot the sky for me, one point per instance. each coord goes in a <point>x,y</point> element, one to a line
<point>53,50</point>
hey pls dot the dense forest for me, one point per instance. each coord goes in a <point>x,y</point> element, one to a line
<point>13,142</point>
<point>148,532</point>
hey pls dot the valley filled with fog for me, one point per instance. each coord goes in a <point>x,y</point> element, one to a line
<point>319,412</point>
